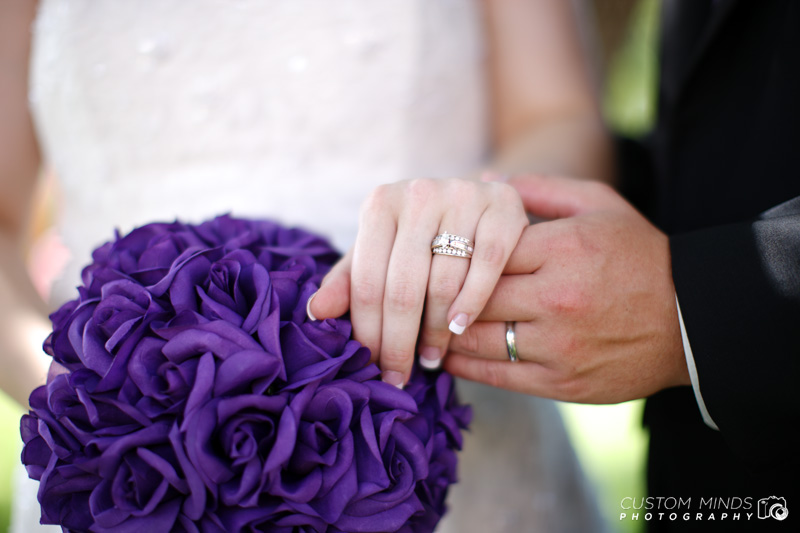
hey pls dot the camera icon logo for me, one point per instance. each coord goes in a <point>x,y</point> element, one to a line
<point>772,507</point>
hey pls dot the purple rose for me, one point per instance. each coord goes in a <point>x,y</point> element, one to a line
<point>163,369</point>
<point>145,255</point>
<point>104,470</point>
<point>193,394</point>
<point>145,482</point>
<point>320,477</point>
<point>320,350</point>
<point>237,443</point>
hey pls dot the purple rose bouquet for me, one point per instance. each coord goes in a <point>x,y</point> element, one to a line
<point>189,392</point>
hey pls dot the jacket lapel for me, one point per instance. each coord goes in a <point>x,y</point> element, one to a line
<point>688,65</point>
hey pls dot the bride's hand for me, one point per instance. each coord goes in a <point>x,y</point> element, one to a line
<point>391,275</point>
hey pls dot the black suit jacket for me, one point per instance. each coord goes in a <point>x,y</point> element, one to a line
<point>721,175</point>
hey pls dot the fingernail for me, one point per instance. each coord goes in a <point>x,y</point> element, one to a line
<point>308,308</point>
<point>430,357</point>
<point>393,377</point>
<point>458,324</point>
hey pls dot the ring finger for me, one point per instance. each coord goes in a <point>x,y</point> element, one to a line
<point>444,283</point>
<point>491,340</point>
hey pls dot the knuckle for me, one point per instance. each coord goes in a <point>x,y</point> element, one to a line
<point>365,293</point>
<point>403,297</point>
<point>434,336</point>
<point>550,301</point>
<point>420,189</point>
<point>459,187</point>
<point>493,377</point>
<point>509,198</point>
<point>571,389</point>
<point>492,254</point>
<point>377,202</point>
<point>469,342</point>
<point>577,243</point>
<point>395,357</point>
<point>522,218</point>
<point>444,291</point>
<point>564,347</point>
<point>506,193</point>
<point>463,192</point>
<point>570,301</point>
<point>417,195</point>
<point>380,194</point>
<point>565,380</point>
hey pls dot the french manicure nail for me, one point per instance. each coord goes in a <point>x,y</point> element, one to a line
<point>430,357</point>
<point>458,324</point>
<point>308,308</point>
<point>393,377</point>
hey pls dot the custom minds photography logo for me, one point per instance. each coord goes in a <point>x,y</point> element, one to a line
<point>711,509</point>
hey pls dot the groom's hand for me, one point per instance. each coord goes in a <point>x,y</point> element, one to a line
<point>592,296</point>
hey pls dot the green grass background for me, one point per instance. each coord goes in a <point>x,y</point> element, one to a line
<point>609,439</point>
<point>10,446</point>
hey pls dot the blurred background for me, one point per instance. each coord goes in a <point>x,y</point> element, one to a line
<point>609,440</point>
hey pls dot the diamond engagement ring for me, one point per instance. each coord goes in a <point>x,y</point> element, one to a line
<point>449,244</point>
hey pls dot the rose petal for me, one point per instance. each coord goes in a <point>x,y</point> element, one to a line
<point>243,368</point>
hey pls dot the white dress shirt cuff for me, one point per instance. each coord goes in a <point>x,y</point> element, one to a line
<point>687,352</point>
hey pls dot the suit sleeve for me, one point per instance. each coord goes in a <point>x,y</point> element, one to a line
<point>739,290</point>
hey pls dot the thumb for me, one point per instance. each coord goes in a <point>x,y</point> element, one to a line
<point>333,297</point>
<point>558,197</point>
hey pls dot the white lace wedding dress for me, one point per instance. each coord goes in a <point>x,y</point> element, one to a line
<point>290,109</point>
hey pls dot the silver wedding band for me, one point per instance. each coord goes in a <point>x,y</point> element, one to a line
<point>511,342</point>
<point>449,244</point>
